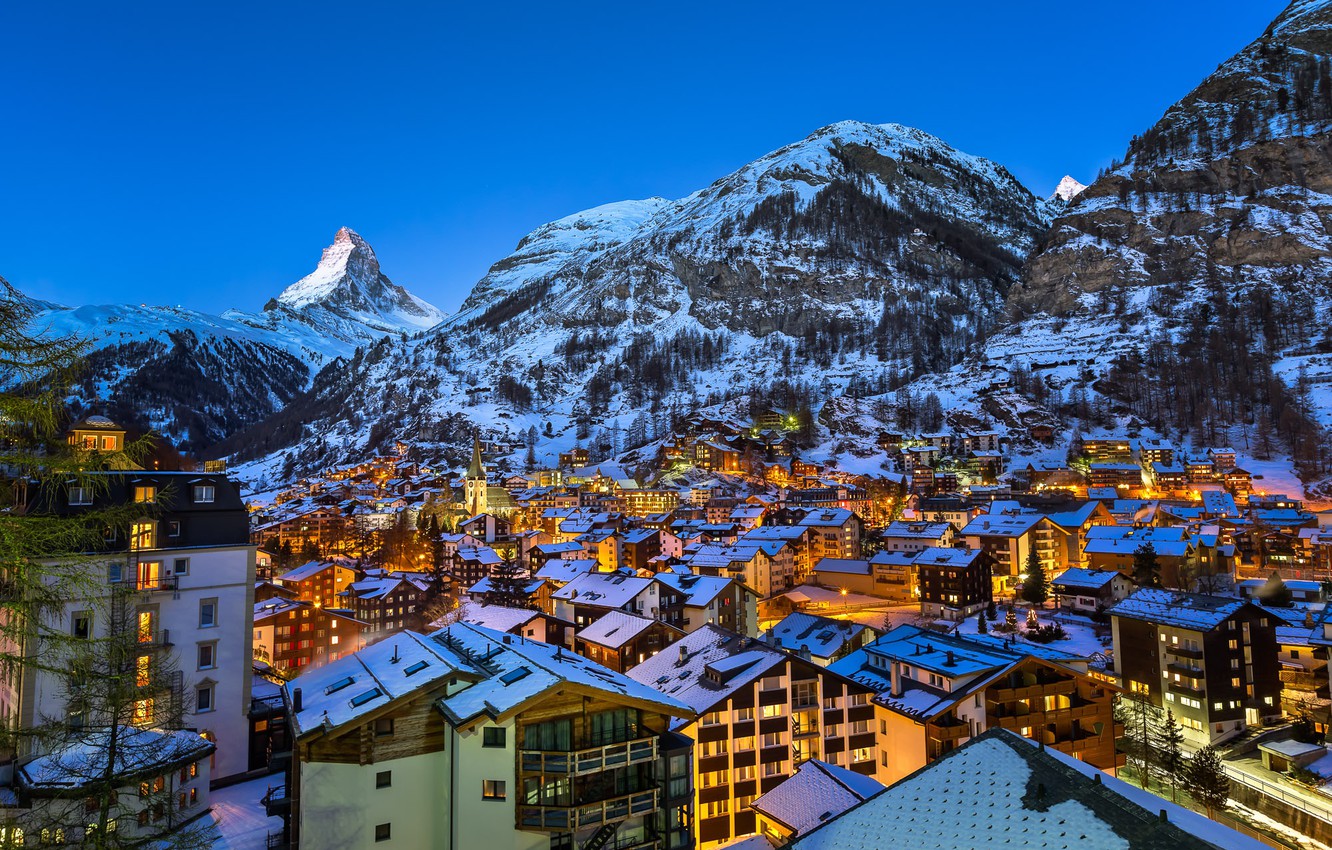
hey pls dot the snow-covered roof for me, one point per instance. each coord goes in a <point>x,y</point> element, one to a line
<point>821,636</point>
<point>306,570</point>
<point>937,556</point>
<point>82,759</point>
<point>615,628</point>
<point>827,518</point>
<point>682,670</point>
<point>850,566</point>
<point>1195,611</point>
<point>518,671</point>
<point>564,571</point>
<point>999,784</point>
<point>1002,524</point>
<point>608,590</point>
<point>816,792</point>
<point>697,590</point>
<point>1088,579</point>
<point>915,530</point>
<point>498,617</point>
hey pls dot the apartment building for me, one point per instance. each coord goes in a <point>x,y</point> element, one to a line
<point>319,582</point>
<point>183,579</point>
<point>1009,534</point>
<point>757,713</point>
<point>1212,660</point>
<point>293,635</point>
<point>473,738</point>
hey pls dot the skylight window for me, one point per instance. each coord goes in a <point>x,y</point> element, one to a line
<point>416,668</point>
<point>361,699</point>
<point>514,675</point>
<point>338,685</point>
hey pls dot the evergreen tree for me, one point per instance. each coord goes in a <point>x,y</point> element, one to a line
<point>1140,719</point>
<point>1010,620</point>
<point>530,459</point>
<point>508,586</point>
<point>1146,568</point>
<point>1170,745</point>
<point>1036,589</point>
<point>1208,783</point>
<point>982,627</point>
<point>1274,592</point>
<point>309,551</point>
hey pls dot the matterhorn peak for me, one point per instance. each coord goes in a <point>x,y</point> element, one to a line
<point>349,263</point>
<point>1067,190</point>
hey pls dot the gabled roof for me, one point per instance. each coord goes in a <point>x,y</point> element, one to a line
<point>816,792</point>
<point>822,637</point>
<point>307,570</point>
<point>999,784</point>
<point>697,590</point>
<point>82,759</point>
<point>616,628</point>
<point>1195,611</point>
<point>1088,579</point>
<point>706,666</point>
<point>608,590</point>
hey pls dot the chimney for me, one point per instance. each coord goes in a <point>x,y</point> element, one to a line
<point>395,659</point>
<point>296,702</point>
<point>896,679</point>
<point>684,654</point>
<point>951,661</point>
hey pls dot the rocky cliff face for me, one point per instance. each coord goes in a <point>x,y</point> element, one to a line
<point>1232,185</point>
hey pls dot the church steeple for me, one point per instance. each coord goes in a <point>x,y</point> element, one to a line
<point>475,485</point>
<point>477,469</point>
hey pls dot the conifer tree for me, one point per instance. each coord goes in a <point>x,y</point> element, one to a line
<point>1208,782</point>
<point>1140,719</point>
<point>981,626</point>
<point>1146,568</point>
<point>1036,589</point>
<point>1169,744</point>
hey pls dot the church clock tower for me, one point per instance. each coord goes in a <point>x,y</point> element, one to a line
<point>474,488</point>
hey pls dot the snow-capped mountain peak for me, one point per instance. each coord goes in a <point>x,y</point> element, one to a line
<point>349,260</point>
<point>1067,190</point>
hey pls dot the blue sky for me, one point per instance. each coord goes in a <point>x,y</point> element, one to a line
<point>203,155</point>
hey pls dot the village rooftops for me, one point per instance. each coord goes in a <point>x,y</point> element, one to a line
<point>706,666</point>
<point>816,792</point>
<point>501,618</point>
<point>821,637</point>
<point>270,608</point>
<point>1193,611</point>
<point>522,585</point>
<point>1220,503</point>
<point>998,784</point>
<point>615,628</point>
<point>556,549</point>
<point>606,590</point>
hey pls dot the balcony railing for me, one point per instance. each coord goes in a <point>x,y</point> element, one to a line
<point>1038,689</point>
<point>1186,690</point>
<point>590,759</point>
<point>1184,651</point>
<point>574,818</point>
<point>154,584</point>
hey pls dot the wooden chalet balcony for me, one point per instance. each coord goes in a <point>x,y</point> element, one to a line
<point>574,818</point>
<point>1083,712</point>
<point>1301,680</point>
<point>954,732</point>
<point>590,759</point>
<point>1040,689</point>
<point>1190,670</point>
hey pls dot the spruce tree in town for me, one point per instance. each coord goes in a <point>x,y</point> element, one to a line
<point>1208,782</point>
<point>981,626</point>
<point>1146,568</point>
<point>1170,746</point>
<point>1036,589</point>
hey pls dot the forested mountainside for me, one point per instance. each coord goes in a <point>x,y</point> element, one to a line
<point>855,258</point>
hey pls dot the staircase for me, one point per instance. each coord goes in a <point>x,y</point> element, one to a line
<point>602,836</point>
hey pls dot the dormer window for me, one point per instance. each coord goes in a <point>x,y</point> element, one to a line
<point>145,493</point>
<point>203,494</point>
<point>79,495</point>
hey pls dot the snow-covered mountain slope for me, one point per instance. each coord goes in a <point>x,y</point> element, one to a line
<point>855,257</point>
<point>1067,190</point>
<point>197,378</point>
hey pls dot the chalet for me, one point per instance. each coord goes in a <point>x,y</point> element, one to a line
<point>637,547</point>
<point>1155,451</point>
<point>835,533</point>
<point>709,601</point>
<point>786,812</point>
<point>954,583</point>
<point>590,596</point>
<point>319,582</point>
<point>532,593</point>
<point>620,641</point>
<point>935,691</point>
<point>470,564</point>
<point>915,536</point>
<point>414,737</point>
<point>387,604</point>
<point>293,635</point>
<point>1083,591</point>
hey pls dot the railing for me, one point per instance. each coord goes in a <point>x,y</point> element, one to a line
<point>1186,690</point>
<point>1270,789</point>
<point>276,800</point>
<point>1039,689</point>
<point>591,759</point>
<point>1306,681</point>
<point>159,584</point>
<point>574,818</point>
<point>1183,651</point>
<point>153,637</point>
